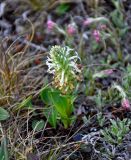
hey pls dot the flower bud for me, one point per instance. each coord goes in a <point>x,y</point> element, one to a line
<point>96,34</point>
<point>125,104</point>
<point>108,71</point>
<point>71,29</point>
<point>50,25</point>
<point>87,22</point>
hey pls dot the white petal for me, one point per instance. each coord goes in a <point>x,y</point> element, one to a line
<point>62,78</point>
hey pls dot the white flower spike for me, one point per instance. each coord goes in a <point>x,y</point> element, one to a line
<point>62,63</point>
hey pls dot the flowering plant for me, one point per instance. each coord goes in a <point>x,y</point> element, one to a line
<point>124,102</point>
<point>62,63</point>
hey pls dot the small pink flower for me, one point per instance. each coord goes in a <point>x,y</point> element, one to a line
<point>108,71</point>
<point>71,29</point>
<point>103,26</point>
<point>87,22</point>
<point>126,104</point>
<point>96,34</point>
<point>50,24</point>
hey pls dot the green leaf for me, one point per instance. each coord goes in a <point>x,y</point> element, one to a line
<point>113,122</point>
<point>3,114</point>
<point>70,107</point>
<point>117,19</point>
<point>25,103</point>
<point>45,96</point>
<point>60,103</point>
<point>38,125</point>
<point>68,121</point>
<point>3,150</point>
<point>51,115</point>
<point>62,8</point>
<point>64,106</point>
<point>116,4</point>
<point>114,130</point>
<point>2,153</point>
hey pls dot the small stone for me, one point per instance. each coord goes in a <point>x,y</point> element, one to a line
<point>78,137</point>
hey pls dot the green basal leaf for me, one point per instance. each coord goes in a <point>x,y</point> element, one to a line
<point>60,103</point>
<point>70,100</point>
<point>3,114</point>
<point>45,96</point>
<point>38,125</point>
<point>68,121</point>
<point>51,115</point>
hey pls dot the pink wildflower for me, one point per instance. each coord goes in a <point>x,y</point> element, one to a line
<point>87,22</point>
<point>108,71</point>
<point>50,24</point>
<point>96,34</point>
<point>71,29</point>
<point>126,104</point>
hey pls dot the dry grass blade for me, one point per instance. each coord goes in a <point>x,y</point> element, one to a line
<point>16,77</point>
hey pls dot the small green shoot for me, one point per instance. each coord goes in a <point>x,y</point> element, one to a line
<point>3,114</point>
